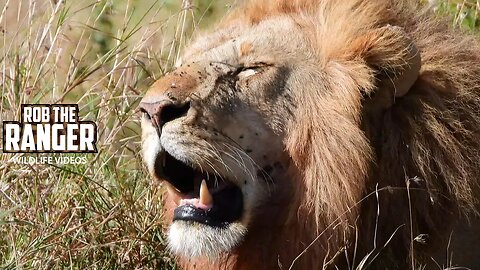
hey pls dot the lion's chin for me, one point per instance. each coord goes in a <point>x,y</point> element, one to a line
<point>191,239</point>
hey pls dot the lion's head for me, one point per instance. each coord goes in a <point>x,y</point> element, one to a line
<point>277,123</point>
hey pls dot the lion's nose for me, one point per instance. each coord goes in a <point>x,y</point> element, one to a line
<point>169,97</point>
<point>163,111</point>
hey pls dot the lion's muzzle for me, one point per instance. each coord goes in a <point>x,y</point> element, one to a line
<point>201,196</point>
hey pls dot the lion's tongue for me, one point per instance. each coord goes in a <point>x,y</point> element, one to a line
<point>205,202</point>
<point>196,203</point>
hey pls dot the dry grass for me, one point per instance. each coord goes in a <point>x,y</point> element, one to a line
<point>101,55</point>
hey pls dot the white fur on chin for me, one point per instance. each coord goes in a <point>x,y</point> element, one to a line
<point>191,239</point>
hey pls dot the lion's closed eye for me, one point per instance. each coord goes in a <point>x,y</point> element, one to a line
<point>251,70</point>
<point>247,73</point>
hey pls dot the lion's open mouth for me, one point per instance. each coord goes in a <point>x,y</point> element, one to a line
<point>201,196</point>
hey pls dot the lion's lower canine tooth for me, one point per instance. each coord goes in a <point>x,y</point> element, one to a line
<point>176,195</point>
<point>205,196</point>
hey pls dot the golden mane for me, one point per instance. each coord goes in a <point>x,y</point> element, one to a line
<point>417,156</point>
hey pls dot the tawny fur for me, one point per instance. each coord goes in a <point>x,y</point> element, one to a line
<point>392,162</point>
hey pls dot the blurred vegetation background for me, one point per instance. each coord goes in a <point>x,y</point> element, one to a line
<point>102,55</point>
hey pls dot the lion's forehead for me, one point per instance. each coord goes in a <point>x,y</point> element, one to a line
<point>247,44</point>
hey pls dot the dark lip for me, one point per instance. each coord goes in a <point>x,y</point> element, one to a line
<point>227,201</point>
<point>227,208</point>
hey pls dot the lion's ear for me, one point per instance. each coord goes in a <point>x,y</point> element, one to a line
<point>393,56</point>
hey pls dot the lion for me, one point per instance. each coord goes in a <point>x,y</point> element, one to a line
<point>320,134</point>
